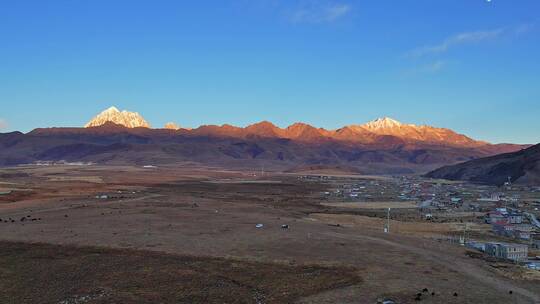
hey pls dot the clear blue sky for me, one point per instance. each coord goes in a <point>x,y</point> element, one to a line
<point>469,65</point>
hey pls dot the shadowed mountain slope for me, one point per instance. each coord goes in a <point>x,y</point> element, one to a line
<point>521,167</point>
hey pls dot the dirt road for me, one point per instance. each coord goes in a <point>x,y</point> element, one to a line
<point>454,262</point>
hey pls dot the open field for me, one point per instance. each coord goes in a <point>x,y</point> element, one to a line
<point>188,235</point>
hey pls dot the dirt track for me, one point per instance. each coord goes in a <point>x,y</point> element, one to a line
<point>458,263</point>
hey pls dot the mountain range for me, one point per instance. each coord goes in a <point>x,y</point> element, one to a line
<point>377,131</point>
<point>121,137</point>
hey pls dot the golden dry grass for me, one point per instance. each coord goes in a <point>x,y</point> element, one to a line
<point>423,229</point>
<point>373,205</point>
<point>88,179</point>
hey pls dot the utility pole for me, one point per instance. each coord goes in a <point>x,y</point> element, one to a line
<point>387,228</point>
<point>466,233</point>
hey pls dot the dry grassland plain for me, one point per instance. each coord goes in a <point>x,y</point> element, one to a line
<point>98,234</point>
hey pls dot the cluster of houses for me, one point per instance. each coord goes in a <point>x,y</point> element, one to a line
<point>358,190</point>
<point>504,211</point>
<point>509,223</point>
<point>507,220</point>
<point>433,196</point>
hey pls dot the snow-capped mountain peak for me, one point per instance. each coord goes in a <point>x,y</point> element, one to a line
<point>124,118</point>
<point>171,126</point>
<point>382,123</point>
<point>112,109</point>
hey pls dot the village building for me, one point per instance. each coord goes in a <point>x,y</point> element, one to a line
<point>495,217</point>
<point>522,234</point>
<point>535,241</point>
<point>514,252</point>
<point>503,229</point>
<point>515,218</point>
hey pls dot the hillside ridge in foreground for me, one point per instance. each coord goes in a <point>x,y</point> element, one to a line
<point>517,167</point>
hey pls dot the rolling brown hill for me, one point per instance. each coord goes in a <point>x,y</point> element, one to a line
<point>520,167</point>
